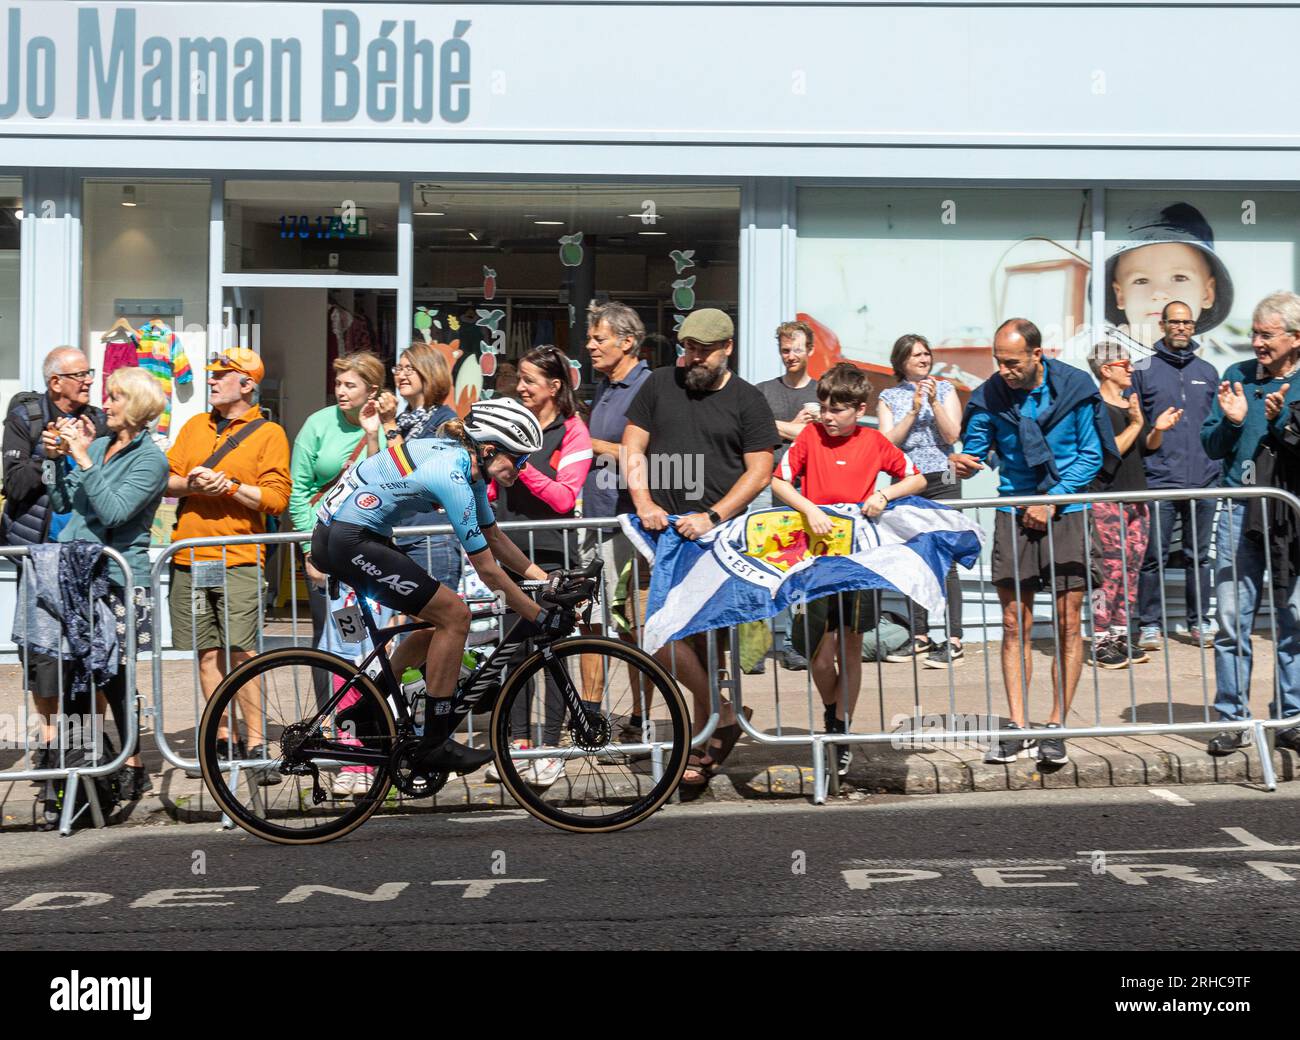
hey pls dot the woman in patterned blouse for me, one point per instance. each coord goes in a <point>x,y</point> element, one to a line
<point>922,415</point>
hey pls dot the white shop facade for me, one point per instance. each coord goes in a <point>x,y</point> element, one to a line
<point>306,178</point>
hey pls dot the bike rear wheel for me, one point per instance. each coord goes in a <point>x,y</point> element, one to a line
<point>285,690</point>
<point>604,784</point>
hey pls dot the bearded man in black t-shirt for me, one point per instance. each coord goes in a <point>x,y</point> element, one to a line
<point>699,443</point>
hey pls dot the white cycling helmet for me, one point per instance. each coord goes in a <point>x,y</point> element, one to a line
<point>506,423</point>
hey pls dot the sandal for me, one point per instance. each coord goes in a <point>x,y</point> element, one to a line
<point>703,766</point>
<point>724,739</point>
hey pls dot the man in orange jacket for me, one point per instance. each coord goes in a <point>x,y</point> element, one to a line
<point>230,470</point>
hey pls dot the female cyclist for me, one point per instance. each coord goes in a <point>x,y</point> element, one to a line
<point>353,542</point>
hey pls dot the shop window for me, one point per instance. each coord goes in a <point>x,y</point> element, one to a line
<point>500,268</point>
<point>11,214</point>
<point>145,293</point>
<point>950,264</point>
<point>311,227</point>
<point>1218,252</point>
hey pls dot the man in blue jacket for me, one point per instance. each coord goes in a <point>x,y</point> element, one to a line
<point>1252,404</point>
<point>1046,423</point>
<point>1174,377</point>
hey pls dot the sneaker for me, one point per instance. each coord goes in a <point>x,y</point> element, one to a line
<point>343,784</point>
<point>624,733</point>
<point>543,772</point>
<point>1135,655</point>
<point>793,661</point>
<point>758,669</point>
<point>492,776</point>
<point>1107,652</point>
<point>1288,738</point>
<point>1227,743</point>
<point>1149,638</point>
<point>455,757</point>
<point>843,752</point>
<point>945,655</point>
<point>921,646</point>
<point>1008,750</point>
<point>267,776</point>
<point>1051,750</point>
<point>1204,633</point>
<point>136,783</point>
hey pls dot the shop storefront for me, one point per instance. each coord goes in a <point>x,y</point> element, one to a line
<point>308,179</point>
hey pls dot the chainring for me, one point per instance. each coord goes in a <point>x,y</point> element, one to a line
<point>408,778</point>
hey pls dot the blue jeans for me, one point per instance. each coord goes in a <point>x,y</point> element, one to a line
<point>1238,601</point>
<point>1197,515</point>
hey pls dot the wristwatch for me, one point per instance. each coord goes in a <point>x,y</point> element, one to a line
<point>235,485</point>
<point>392,434</point>
<point>712,514</point>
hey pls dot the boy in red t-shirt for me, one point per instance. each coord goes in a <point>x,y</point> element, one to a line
<point>839,462</point>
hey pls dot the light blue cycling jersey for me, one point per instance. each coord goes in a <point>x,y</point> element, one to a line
<point>380,492</point>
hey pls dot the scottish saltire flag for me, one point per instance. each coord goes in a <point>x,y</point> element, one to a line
<point>756,565</point>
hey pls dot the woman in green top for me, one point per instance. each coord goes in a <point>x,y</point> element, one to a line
<point>329,441</point>
<point>112,487</point>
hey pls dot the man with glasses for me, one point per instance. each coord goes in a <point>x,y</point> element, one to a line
<point>230,471</point>
<point>68,378</point>
<point>1174,377</point>
<point>1252,406</point>
<point>28,518</point>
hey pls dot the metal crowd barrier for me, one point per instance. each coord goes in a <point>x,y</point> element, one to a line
<point>74,776</point>
<point>821,744</point>
<point>300,634</point>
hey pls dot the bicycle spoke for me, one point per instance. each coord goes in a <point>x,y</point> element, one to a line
<point>598,786</point>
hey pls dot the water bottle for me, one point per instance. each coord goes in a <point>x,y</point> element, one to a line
<point>468,662</point>
<point>413,689</point>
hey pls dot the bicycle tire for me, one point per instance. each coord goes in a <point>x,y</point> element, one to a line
<point>377,724</point>
<point>548,808</point>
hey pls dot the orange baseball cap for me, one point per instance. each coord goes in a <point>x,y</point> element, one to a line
<point>238,359</point>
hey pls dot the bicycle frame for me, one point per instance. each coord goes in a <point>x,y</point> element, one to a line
<point>486,678</point>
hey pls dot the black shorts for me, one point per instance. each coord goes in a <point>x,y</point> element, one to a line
<point>372,565</point>
<point>1036,560</point>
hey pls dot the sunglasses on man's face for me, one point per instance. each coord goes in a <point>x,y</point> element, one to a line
<point>1181,322</point>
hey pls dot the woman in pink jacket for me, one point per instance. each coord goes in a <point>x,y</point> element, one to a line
<point>547,489</point>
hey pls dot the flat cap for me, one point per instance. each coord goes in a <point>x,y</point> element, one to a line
<point>707,325</point>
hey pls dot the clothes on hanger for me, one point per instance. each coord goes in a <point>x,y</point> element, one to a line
<point>159,352</point>
<point>120,351</point>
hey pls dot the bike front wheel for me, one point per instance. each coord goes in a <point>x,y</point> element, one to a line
<point>598,771</point>
<point>328,734</point>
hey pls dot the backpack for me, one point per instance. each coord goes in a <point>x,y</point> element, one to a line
<point>31,516</point>
<point>107,788</point>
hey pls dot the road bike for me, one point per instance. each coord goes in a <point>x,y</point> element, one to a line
<point>324,714</point>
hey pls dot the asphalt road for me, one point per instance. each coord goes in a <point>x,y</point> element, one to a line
<point>1030,870</point>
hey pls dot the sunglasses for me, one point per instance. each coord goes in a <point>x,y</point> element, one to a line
<point>520,461</point>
